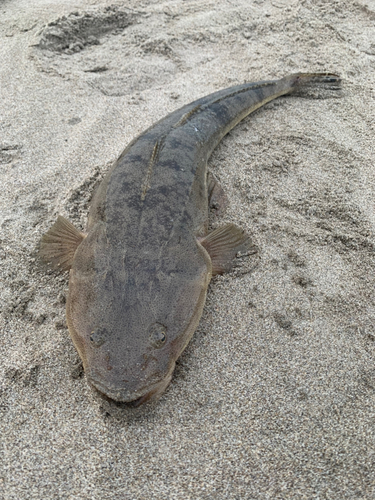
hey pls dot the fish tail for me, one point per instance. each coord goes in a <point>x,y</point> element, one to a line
<point>301,82</point>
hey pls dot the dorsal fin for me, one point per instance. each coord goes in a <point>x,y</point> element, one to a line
<point>184,118</point>
<point>147,180</point>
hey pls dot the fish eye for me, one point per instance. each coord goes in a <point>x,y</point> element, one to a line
<point>158,335</point>
<point>98,336</point>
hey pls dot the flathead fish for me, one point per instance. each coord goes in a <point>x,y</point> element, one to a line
<point>139,274</point>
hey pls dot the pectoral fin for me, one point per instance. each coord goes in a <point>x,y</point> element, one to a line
<point>217,199</point>
<point>223,246</point>
<point>60,243</point>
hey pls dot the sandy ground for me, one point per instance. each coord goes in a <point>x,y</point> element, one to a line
<point>274,396</point>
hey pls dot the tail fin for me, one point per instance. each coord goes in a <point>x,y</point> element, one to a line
<point>313,84</point>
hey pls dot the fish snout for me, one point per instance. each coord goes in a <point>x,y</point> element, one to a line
<point>135,392</point>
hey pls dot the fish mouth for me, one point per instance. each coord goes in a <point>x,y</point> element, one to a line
<point>130,398</point>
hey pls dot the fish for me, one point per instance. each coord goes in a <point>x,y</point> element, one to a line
<point>138,275</point>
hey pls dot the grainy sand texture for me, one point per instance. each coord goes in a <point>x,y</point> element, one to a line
<point>274,398</point>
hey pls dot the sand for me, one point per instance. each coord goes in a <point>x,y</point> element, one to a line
<point>274,396</point>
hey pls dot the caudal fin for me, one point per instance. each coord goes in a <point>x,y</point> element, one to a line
<point>313,84</point>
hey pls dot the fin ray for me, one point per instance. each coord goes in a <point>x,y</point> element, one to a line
<point>60,243</point>
<point>223,245</point>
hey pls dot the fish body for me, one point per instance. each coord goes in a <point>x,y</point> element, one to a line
<point>139,275</point>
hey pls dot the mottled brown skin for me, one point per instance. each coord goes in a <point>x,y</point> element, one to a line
<point>138,281</point>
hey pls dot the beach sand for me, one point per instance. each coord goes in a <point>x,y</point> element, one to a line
<point>274,398</point>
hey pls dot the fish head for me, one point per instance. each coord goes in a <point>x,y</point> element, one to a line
<point>131,315</point>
